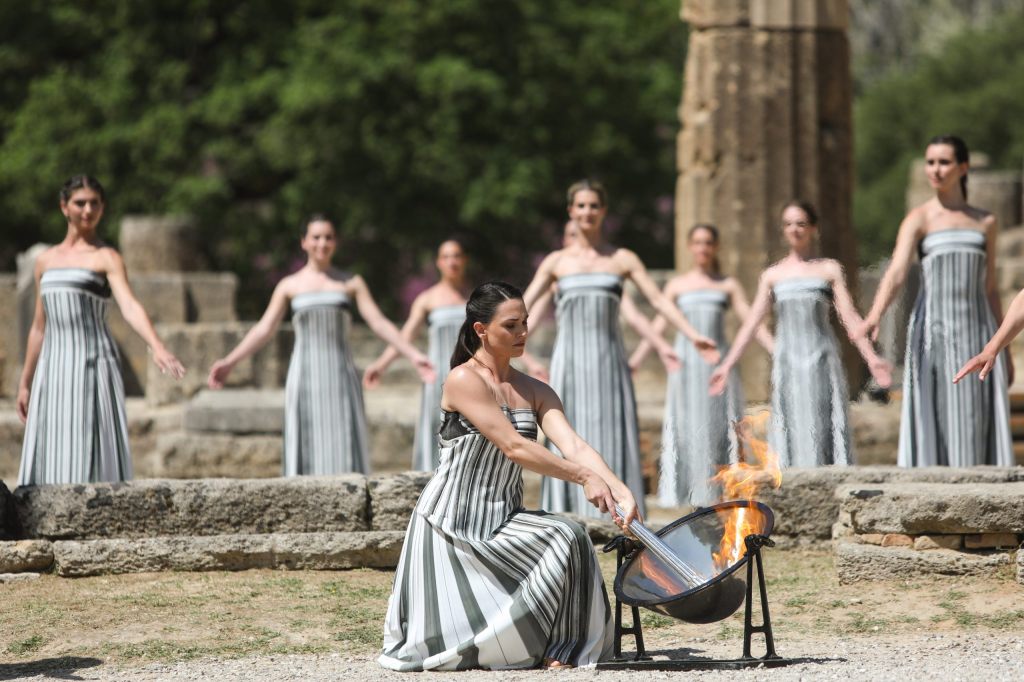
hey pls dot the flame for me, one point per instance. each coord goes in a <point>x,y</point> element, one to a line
<point>757,467</point>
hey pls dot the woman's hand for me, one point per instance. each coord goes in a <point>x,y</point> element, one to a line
<point>670,359</point>
<point>868,329</point>
<point>630,510</point>
<point>425,368</point>
<point>23,396</point>
<point>599,494</point>
<point>719,380</point>
<point>372,375</point>
<point>168,364</point>
<point>982,363</point>
<point>707,349</point>
<point>881,370</point>
<point>219,372</point>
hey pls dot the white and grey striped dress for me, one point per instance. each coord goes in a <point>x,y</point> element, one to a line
<point>590,374</point>
<point>697,436</point>
<point>809,424</point>
<point>325,423</point>
<point>945,424</point>
<point>77,431</point>
<point>482,583</point>
<point>443,324</point>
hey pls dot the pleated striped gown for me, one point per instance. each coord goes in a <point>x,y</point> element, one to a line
<point>77,431</point>
<point>443,324</point>
<point>325,423</point>
<point>697,436</point>
<point>809,424</point>
<point>590,374</point>
<point>482,583</point>
<point>944,424</point>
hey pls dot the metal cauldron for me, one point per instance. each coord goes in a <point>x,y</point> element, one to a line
<point>645,581</point>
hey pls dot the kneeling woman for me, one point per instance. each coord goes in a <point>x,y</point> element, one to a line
<point>483,583</point>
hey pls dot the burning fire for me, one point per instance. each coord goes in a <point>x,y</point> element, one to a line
<point>757,466</point>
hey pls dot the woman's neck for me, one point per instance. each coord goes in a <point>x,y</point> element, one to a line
<point>317,267</point>
<point>499,366</point>
<point>76,237</point>
<point>951,199</point>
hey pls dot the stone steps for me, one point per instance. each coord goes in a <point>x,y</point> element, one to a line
<point>888,531</point>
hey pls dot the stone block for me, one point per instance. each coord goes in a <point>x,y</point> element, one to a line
<point>808,503</point>
<point>861,562</point>
<point>393,497</point>
<point>18,556</point>
<point>800,14</point>
<point>147,508</point>
<point>870,538</point>
<point>897,540</point>
<point>183,454</point>
<point>200,344</point>
<point>999,192</point>
<point>236,411</point>
<point>992,541</point>
<point>6,578</point>
<point>922,542</point>
<point>300,551</point>
<point>935,508</point>
<point>160,243</point>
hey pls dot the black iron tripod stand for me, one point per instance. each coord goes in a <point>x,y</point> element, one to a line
<point>639,658</point>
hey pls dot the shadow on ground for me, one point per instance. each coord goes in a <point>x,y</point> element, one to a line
<point>60,668</point>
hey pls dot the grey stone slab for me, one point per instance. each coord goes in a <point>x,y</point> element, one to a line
<point>806,506</point>
<point>236,411</point>
<point>17,577</point>
<point>392,498</point>
<point>304,551</point>
<point>17,556</point>
<point>147,508</point>
<point>934,508</point>
<point>189,454</point>
<point>856,562</point>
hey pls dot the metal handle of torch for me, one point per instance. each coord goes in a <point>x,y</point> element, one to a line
<point>691,576</point>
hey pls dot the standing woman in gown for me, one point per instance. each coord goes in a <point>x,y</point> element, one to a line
<point>71,395</point>
<point>325,425</point>
<point>956,312</point>
<point>696,438</point>
<point>809,424</point>
<point>443,308</point>
<point>481,582</point>
<point>588,364</point>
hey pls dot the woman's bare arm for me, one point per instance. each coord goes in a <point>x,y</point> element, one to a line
<point>135,315</point>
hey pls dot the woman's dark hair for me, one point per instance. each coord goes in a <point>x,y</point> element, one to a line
<point>713,231</point>
<point>805,206</point>
<point>77,182</point>
<point>480,307</point>
<point>587,184</point>
<point>960,151</point>
<point>315,218</point>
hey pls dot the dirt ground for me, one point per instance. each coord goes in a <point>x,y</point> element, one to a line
<point>118,627</point>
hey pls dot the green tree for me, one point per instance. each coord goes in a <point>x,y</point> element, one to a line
<point>972,87</point>
<point>407,121</point>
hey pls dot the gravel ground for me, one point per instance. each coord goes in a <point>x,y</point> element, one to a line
<point>947,657</point>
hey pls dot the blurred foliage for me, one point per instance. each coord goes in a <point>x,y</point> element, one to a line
<point>970,84</point>
<point>406,121</point>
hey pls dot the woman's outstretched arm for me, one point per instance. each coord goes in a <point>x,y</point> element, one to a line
<point>135,315</point>
<point>466,392</point>
<point>910,233</point>
<point>255,338</point>
<point>417,316</point>
<point>758,311</point>
<point>983,362</point>
<point>386,329</point>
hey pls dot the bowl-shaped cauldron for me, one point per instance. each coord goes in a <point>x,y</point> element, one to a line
<point>645,581</point>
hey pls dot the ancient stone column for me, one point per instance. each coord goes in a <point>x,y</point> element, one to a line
<point>766,117</point>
